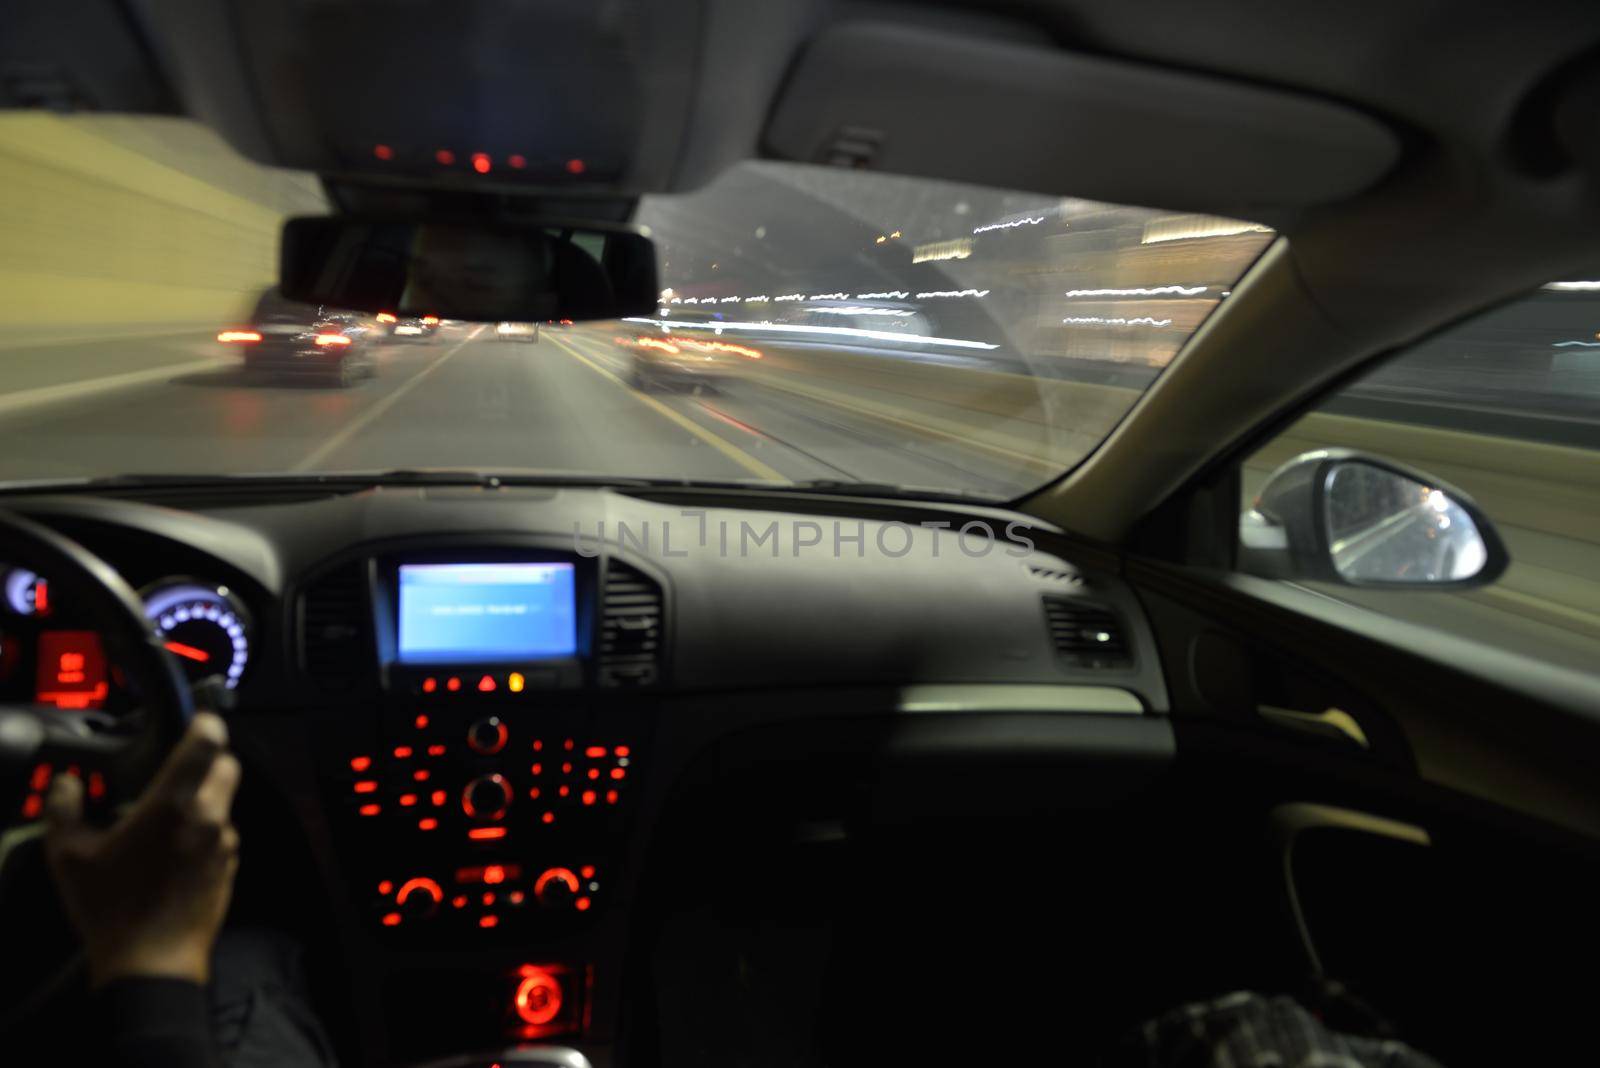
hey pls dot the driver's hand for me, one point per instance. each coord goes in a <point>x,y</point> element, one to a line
<point>148,894</point>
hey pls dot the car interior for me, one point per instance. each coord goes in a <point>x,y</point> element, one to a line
<point>1139,736</point>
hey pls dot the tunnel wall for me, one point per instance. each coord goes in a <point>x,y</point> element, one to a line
<point>109,222</point>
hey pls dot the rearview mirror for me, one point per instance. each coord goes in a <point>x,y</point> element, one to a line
<point>1341,516</point>
<point>516,272</point>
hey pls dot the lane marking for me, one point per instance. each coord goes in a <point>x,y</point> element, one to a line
<point>722,445</point>
<point>24,399</point>
<point>377,411</point>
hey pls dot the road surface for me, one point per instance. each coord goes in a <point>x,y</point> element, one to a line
<point>466,400</point>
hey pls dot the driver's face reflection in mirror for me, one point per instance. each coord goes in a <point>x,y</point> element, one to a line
<point>460,269</point>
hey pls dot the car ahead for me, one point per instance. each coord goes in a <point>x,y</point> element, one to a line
<point>508,331</point>
<point>686,361</point>
<point>289,340</point>
<point>412,328</point>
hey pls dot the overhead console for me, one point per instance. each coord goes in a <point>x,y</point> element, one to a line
<point>394,92</point>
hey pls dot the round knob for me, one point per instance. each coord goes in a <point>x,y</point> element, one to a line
<point>538,997</point>
<point>487,797</point>
<point>418,897</point>
<point>487,736</point>
<point>556,888</point>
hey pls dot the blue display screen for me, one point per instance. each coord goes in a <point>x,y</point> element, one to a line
<point>481,613</point>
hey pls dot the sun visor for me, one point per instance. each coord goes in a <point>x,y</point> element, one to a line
<point>936,104</point>
<point>538,94</point>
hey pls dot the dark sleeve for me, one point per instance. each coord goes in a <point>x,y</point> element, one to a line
<point>156,1023</point>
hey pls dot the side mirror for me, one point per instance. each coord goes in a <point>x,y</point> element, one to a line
<point>488,271</point>
<point>1345,517</point>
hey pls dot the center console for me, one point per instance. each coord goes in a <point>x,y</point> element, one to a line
<point>482,815</point>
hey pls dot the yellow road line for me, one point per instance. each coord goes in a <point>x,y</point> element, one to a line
<point>374,413</point>
<point>727,448</point>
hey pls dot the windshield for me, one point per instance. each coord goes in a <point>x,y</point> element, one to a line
<point>815,325</point>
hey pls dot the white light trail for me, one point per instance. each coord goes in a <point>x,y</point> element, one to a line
<point>933,294</point>
<point>1030,221</point>
<point>1584,344</point>
<point>897,294</point>
<point>1574,286</point>
<point>1140,291</point>
<point>1100,320</point>
<point>830,296</point>
<point>826,331</point>
<point>863,311</point>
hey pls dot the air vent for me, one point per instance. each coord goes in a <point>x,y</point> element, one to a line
<point>630,628</point>
<point>334,613</point>
<point>1085,634</point>
<point>1055,576</point>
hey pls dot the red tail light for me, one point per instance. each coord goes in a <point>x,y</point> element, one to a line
<point>331,339</point>
<point>385,317</point>
<point>430,320</point>
<point>238,335</point>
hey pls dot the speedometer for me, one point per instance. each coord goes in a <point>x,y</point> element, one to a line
<point>204,626</point>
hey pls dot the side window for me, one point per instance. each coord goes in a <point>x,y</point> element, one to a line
<point>1506,407</point>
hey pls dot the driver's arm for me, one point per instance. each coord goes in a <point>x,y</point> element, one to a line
<point>148,895</point>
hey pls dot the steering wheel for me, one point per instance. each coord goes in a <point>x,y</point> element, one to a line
<point>127,754</point>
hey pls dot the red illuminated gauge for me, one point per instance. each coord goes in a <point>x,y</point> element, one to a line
<point>206,627</point>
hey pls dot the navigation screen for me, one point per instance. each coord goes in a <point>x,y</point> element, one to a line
<point>479,613</point>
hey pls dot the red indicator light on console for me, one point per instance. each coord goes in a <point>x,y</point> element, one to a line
<point>427,823</point>
<point>488,921</point>
<point>391,919</point>
<point>459,901</point>
<point>384,887</point>
<point>438,797</point>
<point>595,752</point>
<point>436,750</point>
<point>407,800</point>
<point>619,773</point>
<point>401,752</point>
<point>370,810</point>
<point>587,871</point>
<point>452,684</point>
<point>588,797</point>
<point>421,774</point>
<point>494,873</point>
<point>366,786</point>
<point>360,763</point>
<point>611,797</point>
<point>548,817</point>
<point>486,684</point>
<point>430,684</point>
<point>421,723</point>
<point>623,750</point>
<point>582,904</point>
<point>481,834</point>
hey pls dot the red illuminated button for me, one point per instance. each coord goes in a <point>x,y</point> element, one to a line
<point>419,896</point>
<point>538,997</point>
<point>487,736</point>
<point>486,797</point>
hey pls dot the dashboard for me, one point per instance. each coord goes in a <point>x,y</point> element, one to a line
<point>477,700</point>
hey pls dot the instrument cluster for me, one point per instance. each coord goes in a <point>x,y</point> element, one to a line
<point>50,653</point>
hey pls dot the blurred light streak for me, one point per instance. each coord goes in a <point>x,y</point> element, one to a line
<point>825,331</point>
<point>1140,291</point>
